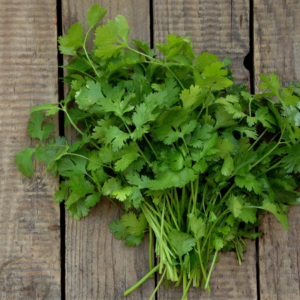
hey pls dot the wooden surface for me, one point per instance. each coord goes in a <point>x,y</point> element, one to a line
<point>219,27</point>
<point>277,45</point>
<point>222,28</point>
<point>29,218</point>
<point>97,265</point>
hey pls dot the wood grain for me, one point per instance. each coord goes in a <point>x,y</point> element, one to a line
<point>29,218</point>
<point>222,28</point>
<point>97,265</point>
<point>276,45</point>
<point>218,27</point>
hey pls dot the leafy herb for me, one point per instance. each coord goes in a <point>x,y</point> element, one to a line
<point>179,146</point>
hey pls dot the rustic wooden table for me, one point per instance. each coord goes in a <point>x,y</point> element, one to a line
<point>45,254</point>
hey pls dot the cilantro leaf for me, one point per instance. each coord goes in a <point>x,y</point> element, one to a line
<point>95,14</point>
<point>92,200</point>
<point>118,229</point>
<point>110,186</point>
<point>35,127</point>
<point>133,240</point>
<point>24,161</point>
<point>134,225</point>
<point>249,182</point>
<point>61,194</point>
<point>80,185</point>
<point>182,242</point>
<point>115,136</point>
<point>72,41</point>
<point>78,210</point>
<point>291,162</point>
<point>197,225</point>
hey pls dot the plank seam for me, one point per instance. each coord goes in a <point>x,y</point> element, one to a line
<point>61,133</point>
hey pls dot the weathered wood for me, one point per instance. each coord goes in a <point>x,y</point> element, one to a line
<point>276,49</point>
<point>219,27</point>
<point>222,28</point>
<point>29,218</point>
<point>97,265</point>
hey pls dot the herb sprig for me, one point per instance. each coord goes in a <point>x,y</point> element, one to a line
<point>173,143</point>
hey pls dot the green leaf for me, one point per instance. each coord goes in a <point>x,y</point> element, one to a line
<point>170,179</point>
<point>88,95</point>
<point>118,229</point>
<point>273,208</point>
<point>24,161</point>
<point>223,118</point>
<point>235,206</point>
<point>35,127</point>
<point>115,136</point>
<point>62,194</point>
<point>71,166</point>
<point>214,77</point>
<point>94,162</point>
<point>228,165</point>
<point>124,193</point>
<point>224,146</point>
<point>125,161</point>
<point>249,182</point>
<point>218,243</point>
<point>200,134</point>
<point>134,226</point>
<point>78,210</point>
<point>110,186</point>
<point>80,185</point>
<point>248,215</point>
<point>190,96</point>
<point>133,240</point>
<point>291,162</point>
<point>72,41</point>
<point>51,108</point>
<point>107,35</point>
<point>95,14</point>
<point>198,226</point>
<point>92,200</point>
<point>182,242</point>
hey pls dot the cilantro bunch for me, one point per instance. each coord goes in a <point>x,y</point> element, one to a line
<point>191,158</point>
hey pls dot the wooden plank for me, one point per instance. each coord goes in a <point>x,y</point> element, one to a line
<point>218,27</point>
<point>29,218</point>
<point>276,49</point>
<point>97,265</point>
<point>222,28</point>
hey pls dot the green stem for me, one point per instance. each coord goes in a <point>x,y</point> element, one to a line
<point>211,268</point>
<point>150,249</point>
<point>201,263</point>
<point>86,54</point>
<point>184,283</point>
<point>171,212</point>
<point>204,106</point>
<point>188,286</point>
<point>140,150</point>
<point>141,281</point>
<point>159,283</point>
<point>273,167</point>
<point>115,203</point>
<point>257,139</point>
<point>150,145</point>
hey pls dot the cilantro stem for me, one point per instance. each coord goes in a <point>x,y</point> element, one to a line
<point>171,212</point>
<point>86,54</point>
<point>141,281</point>
<point>158,285</point>
<point>150,249</point>
<point>185,291</point>
<point>115,203</point>
<point>201,264</point>
<point>258,139</point>
<point>144,135</point>
<point>158,62</point>
<point>184,283</point>
<point>211,268</point>
<point>273,167</point>
<point>140,150</point>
